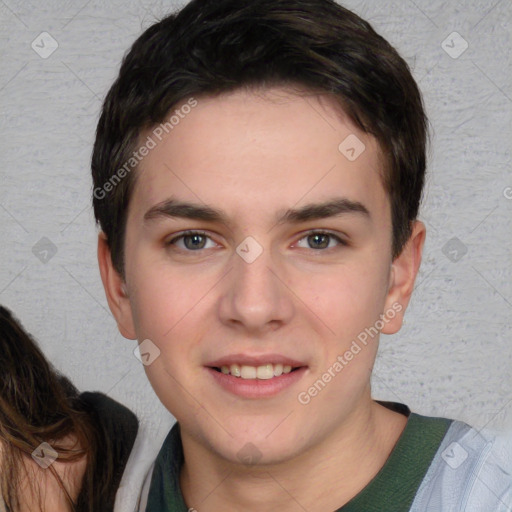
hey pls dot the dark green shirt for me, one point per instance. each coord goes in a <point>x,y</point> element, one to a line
<point>392,489</point>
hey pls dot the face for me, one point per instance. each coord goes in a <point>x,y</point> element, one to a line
<point>288,263</point>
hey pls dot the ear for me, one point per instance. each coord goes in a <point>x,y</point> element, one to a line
<point>401,279</point>
<point>115,290</point>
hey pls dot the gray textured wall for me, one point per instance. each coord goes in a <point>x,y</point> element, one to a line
<point>453,356</point>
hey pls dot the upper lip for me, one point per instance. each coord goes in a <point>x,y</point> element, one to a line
<point>254,360</point>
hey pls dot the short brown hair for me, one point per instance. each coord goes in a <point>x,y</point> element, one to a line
<point>216,46</point>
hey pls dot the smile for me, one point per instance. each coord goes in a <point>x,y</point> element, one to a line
<point>263,372</point>
<point>256,382</point>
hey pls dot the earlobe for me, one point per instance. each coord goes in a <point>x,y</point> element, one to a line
<point>403,274</point>
<point>115,290</point>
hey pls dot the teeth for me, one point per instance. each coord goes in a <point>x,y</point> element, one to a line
<point>248,372</point>
<point>266,371</point>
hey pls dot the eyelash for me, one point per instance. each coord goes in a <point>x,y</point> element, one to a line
<point>184,234</point>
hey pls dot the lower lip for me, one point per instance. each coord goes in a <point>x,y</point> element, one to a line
<point>257,388</point>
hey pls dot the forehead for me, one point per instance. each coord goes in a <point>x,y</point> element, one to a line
<point>253,152</point>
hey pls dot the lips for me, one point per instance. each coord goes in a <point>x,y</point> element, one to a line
<point>259,360</point>
<point>250,388</point>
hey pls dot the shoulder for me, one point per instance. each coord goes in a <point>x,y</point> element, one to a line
<point>33,478</point>
<point>109,409</point>
<point>114,419</point>
<point>471,470</point>
<point>133,491</point>
<point>116,430</point>
<point>118,424</point>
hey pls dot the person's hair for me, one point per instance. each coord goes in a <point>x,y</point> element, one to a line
<point>38,404</point>
<point>212,47</point>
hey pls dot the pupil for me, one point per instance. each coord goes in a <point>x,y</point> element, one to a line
<point>317,236</point>
<point>194,245</point>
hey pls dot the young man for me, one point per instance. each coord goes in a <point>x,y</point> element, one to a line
<point>258,170</point>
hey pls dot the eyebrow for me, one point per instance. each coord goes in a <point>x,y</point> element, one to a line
<point>313,211</point>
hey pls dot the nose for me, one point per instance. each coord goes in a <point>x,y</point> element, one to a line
<point>255,296</point>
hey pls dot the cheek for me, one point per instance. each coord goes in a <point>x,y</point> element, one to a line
<point>170,382</point>
<point>162,297</point>
<point>346,300</point>
<point>169,309</point>
<point>173,321</point>
<point>170,316</point>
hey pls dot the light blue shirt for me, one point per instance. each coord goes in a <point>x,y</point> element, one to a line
<point>471,472</point>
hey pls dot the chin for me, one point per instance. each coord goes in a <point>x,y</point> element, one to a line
<point>261,449</point>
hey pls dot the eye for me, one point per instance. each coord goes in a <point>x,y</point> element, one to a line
<point>321,240</point>
<point>192,240</point>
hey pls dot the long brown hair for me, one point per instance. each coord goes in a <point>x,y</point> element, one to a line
<point>38,404</point>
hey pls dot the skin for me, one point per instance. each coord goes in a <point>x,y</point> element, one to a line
<point>253,155</point>
<point>35,480</point>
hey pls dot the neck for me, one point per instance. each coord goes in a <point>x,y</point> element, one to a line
<point>343,463</point>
